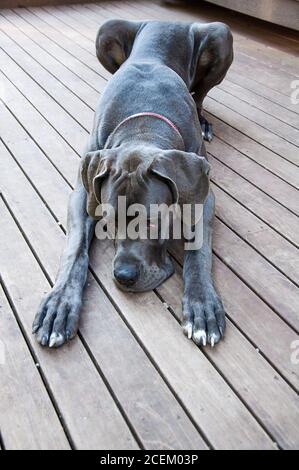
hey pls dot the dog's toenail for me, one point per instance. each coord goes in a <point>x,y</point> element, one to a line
<point>187,329</point>
<point>200,337</point>
<point>52,340</point>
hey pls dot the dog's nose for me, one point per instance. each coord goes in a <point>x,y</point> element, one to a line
<point>126,274</point>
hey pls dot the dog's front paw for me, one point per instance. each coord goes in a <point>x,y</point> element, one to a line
<point>203,315</point>
<point>57,318</point>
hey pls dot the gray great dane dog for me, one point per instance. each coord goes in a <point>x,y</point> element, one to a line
<point>155,157</point>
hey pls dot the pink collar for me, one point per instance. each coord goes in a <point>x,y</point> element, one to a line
<point>155,115</point>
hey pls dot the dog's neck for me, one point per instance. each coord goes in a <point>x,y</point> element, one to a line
<point>149,130</point>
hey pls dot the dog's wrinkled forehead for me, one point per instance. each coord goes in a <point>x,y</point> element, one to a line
<point>130,176</point>
<point>132,160</point>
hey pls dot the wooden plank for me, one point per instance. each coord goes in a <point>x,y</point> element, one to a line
<point>92,12</point>
<point>25,3</point>
<point>14,136</point>
<point>147,401</point>
<point>265,138</point>
<point>33,47</point>
<point>267,54</point>
<point>264,104</point>
<point>86,406</point>
<point>255,200</point>
<point>266,241</point>
<point>262,90</point>
<point>265,392</point>
<point>28,419</point>
<point>50,84</point>
<point>64,36</point>
<point>54,113</point>
<point>104,9</point>
<point>276,79</point>
<point>171,352</point>
<point>117,9</point>
<point>49,141</point>
<point>281,294</point>
<point>253,150</point>
<point>60,47</point>
<point>120,10</point>
<point>42,26</point>
<point>79,22</point>
<point>279,190</point>
<point>277,127</point>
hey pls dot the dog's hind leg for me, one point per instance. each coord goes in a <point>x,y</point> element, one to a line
<point>57,318</point>
<point>203,312</point>
<point>114,42</point>
<point>213,55</point>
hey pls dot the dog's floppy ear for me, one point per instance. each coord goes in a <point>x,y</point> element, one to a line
<point>114,42</point>
<point>186,173</point>
<point>94,169</point>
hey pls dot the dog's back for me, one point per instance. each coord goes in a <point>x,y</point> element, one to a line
<point>151,78</point>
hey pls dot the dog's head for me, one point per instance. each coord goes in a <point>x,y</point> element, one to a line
<point>150,178</point>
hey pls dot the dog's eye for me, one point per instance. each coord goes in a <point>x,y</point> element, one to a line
<point>154,229</point>
<point>151,224</point>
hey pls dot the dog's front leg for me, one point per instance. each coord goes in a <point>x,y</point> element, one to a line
<point>58,315</point>
<point>203,313</point>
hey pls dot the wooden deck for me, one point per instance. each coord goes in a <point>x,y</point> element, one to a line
<point>132,380</point>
